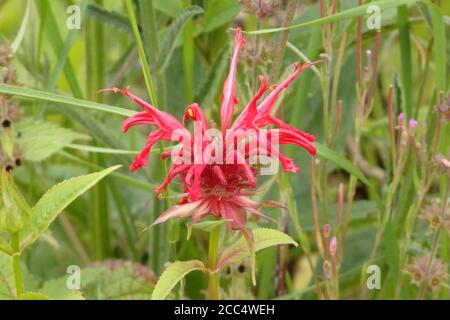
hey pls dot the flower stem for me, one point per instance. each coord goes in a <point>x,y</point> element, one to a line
<point>213,253</point>
<point>16,265</point>
<point>142,56</point>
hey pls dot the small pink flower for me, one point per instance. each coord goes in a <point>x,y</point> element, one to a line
<point>412,123</point>
<point>326,231</point>
<point>333,246</point>
<point>221,189</point>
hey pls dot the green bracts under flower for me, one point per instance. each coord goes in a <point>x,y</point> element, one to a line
<point>14,210</point>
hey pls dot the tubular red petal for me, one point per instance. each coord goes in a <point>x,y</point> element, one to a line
<point>173,171</point>
<point>177,211</point>
<point>162,119</point>
<point>247,116</point>
<point>219,174</point>
<point>200,211</point>
<point>229,98</point>
<point>248,172</point>
<point>283,136</point>
<point>194,112</point>
<point>281,124</point>
<point>141,159</point>
<point>139,118</point>
<point>266,107</point>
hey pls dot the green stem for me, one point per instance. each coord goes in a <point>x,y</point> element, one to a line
<point>188,57</point>
<point>16,265</point>
<point>213,253</point>
<point>142,56</point>
<point>279,52</point>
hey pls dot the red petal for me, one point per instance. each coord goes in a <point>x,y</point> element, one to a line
<point>177,211</point>
<point>229,98</point>
<point>247,116</point>
<point>141,159</point>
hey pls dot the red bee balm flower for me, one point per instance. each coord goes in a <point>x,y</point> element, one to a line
<point>213,184</point>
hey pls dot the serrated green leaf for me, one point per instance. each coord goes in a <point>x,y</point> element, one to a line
<point>172,275</point>
<point>39,140</point>
<point>263,238</point>
<point>7,284</point>
<point>171,37</point>
<point>56,289</point>
<point>112,18</point>
<point>54,201</point>
<point>14,209</point>
<point>121,280</point>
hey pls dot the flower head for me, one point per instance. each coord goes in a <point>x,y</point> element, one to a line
<point>437,272</point>
<point>218,169</point>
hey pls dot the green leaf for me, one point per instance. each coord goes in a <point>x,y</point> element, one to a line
<point>121,280</point>
<point>172,275</point>
<point>175,28</point>
<point>64,100</point>
<point>14,210</point>
<point>57,288</point>
<point>343,15</point>
<point>406,62</point>
<point>392,250</point>
<point>130,180</point>
<point>7,283</point>
<point>439,46</point>
<point>94,149</point>
<point>112,18</point>
<point>39,140</point>
<point>7,142</point>
<point>5,246</point>
<point>262,237</point>
<point>340,161</point>
<point>54,201</point>
<point>207,226</point>
<point>32,296</point>
<point>170,7</point>
<point>219,13</point>
<point>23,27</point>
<point>63,56</point>
<point>53,33</point>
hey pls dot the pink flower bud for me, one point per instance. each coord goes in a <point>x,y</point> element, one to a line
<point>326,231</point>
<point>412,123</point>
<point>333,246</point>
